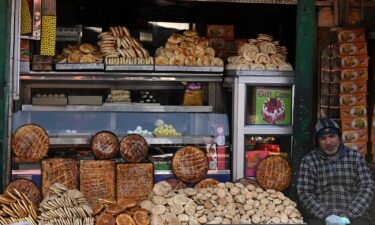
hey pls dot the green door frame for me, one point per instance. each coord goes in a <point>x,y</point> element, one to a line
<point>4,86</point>
<point>304,88</point>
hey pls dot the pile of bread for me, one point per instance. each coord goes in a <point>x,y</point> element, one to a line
<point>84,53</point>
<point>119,47</point>
<point>261,53</point>
<point>187,49</point>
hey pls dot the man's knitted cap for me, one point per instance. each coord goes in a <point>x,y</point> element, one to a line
<point>326,126</point>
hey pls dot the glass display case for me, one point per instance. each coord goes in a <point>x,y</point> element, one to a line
<point>263,110</point>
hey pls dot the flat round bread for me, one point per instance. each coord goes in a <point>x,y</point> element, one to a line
<point>114,209</point>
<point>176,184</point>
<point>206,183</point>
<point>124,219</point>
<point>190,164</point>
<point>274,173</point>
<point>141,217</point>
<point>105,145</point>
<point>133,148</point>
<point>27,187</point>
<point>30,143</point>
<point>246,181</point>
<point>105,219</point>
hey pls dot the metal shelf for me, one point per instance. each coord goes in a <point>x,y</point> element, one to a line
<point>156,172</point>
<point>323,3</point>
<point>268,130</point>
<point>120,76</point>
<point>260,73</point>
<point>167,172</point>
<point>72,141</point>
<point>119,108</point>
<point>254,77</point>
<point>271,2</point>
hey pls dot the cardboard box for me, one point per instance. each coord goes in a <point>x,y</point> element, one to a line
<point>359,123</point>
<point>325,17</point>
<point>353,112</point>
<point>239,42</point>
<point>252,161</point>
<point>348,87</point>
<point>355,48</point>
<point>217,43</point>
<point>352,99</point>
<point>354,136</point>
<point>220,31</point>
<point>358,146</point>
<point>273,105</point>
<point>354,61</point>
<point>353,35</point>
<point>354,74</point>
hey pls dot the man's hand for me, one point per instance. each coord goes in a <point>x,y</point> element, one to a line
<point>336,220</point>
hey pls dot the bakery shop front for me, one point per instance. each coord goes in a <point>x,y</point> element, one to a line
<point>173,112</point>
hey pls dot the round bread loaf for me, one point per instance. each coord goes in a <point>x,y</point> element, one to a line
<point>27,187</point>
<point>30,143</point>
<point>274,173</point>
<point>133,148</point>
<point>105,145</point>
<point>176,184</point>
<point>190,164</point>
<point>206,183</point>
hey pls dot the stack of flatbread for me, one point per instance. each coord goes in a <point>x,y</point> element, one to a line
<point>187,49</point>
<point>63,206</point>
<point>261,53</point>
<point>84,53</point>
<point>119,47</point>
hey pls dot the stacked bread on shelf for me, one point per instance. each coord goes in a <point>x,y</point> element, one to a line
<point>84,53</point>
<point>119,47</point>
<point>187,49</point>
<point>262,53</point>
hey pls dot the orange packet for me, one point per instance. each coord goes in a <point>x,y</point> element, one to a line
<point>354,74</point>
<point>349,87</point>
<point>359,123</point>
<point>352,99</point>
<point>354,61</point>
<point>349,136</point>
<point>351,35</point>
<point>355,48</point>
<point>353,112</point>
<point>221,31</point>
<point>358,146</point>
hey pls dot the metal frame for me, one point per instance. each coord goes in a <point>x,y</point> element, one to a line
<point>240,129</point>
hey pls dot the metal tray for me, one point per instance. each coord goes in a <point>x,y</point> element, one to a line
<point>79,66</point>
<point>258,73</point>
<point>130,67</point>
<point>213,69</point>
<point>85,100</point>
<point>49,101</point>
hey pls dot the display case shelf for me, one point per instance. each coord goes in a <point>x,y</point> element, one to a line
<point>72,141</point>
<point>119,108</point>
<point>156,172</point>
<point>121,76</point>
<point>268,130</point>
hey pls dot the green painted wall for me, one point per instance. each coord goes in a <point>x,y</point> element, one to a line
<point>4,68</point>
<point>304,85</point>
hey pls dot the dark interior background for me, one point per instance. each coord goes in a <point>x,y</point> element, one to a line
<point>248,19</point>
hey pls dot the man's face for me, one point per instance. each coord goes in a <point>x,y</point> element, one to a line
<point>329,143</point>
